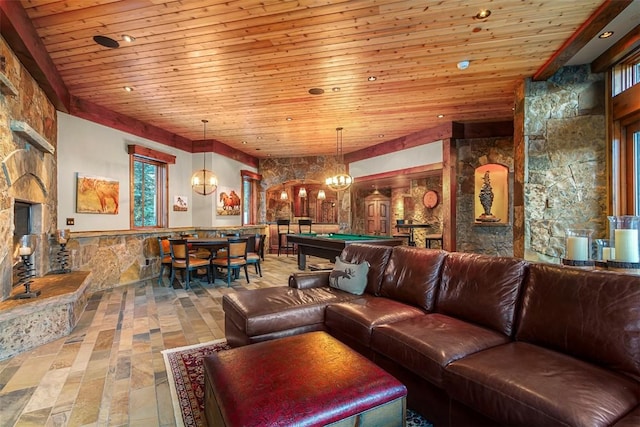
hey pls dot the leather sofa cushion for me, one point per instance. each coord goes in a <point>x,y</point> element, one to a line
<point>377,256</point>
<point>592,316</point>
<point>630,420</point>
<point>358,317</point>
<point>266,310</point>
<point>523,384</point>
<point>426,344</point>
<point>413,276</point>
<point>481,289</point>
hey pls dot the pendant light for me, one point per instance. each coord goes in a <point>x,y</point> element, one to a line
<point>321,195</point>
<point>302,193</point>
<point>283,194</point>
<point>204,181</point>
<point>340,181</point>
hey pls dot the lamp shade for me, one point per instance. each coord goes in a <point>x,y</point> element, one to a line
<point>339,182</point>
<point>321,195</point>
<point>204,182</point>
<point>302,193</point>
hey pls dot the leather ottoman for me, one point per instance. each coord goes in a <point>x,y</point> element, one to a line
<point>310,379</point>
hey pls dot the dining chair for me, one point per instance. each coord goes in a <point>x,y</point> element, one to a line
<point>236,257</point>
<point>181,259</point>
<point>164,248</point>
<point>257,253</point>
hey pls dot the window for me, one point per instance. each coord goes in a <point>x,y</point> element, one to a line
<point>250,188</point>
<point>626,74</point>
<point>148,189</point>
<point>625,158</point>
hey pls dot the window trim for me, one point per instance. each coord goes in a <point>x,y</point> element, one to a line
<point>254,179</point>
<point>161,161</point>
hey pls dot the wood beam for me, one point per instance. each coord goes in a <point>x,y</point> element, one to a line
<point>18,31</point>
<point>616,52</point>
<point>587,31</point>
<point>98,114</point>
<point>449,186</point>
<point>488,130</point>
<point>217,147</point>
<point>408,141</point>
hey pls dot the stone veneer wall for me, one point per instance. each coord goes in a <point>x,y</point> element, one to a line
<point>277,171</point>
<point>471,237</point>
<point>124,257</point>
<point>30,175</point>
<point>565,149</point>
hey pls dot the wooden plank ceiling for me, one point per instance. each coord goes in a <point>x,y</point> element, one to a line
<point>248,65</point>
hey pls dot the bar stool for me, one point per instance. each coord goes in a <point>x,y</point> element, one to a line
<point>304,225</point>
<point>283,231</point>
<point>432,238</point>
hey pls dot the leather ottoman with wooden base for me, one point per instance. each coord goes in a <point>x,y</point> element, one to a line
<point>304,380</point>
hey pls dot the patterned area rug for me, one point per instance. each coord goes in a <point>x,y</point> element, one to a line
<point>186,380</point>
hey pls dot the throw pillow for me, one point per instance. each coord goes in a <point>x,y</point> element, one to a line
<point>349,277</point>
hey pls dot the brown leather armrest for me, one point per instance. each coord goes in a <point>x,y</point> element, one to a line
<point>314,279</point>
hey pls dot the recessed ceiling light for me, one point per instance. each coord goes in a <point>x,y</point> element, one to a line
<point>463,65</point>
<point>316,91</point>
<point>258,137</point>
<point>128,88</point>
<point>289,119</point>
<point>128,38</point>
<point>483,14</point>
<point>372,78</point>
<point>335,89</point>
<point>440,116</point>
<point>381,135</point>
<point>244,142</point>
<point>106,42</point>
<point>605,35</point>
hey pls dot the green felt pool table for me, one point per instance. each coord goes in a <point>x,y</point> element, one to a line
<point>328,246</point>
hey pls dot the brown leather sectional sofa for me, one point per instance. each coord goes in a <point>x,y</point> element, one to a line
<point>477,340</point>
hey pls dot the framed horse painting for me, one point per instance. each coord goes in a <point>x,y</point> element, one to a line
<point>96,194</point>
<point>228,201</point>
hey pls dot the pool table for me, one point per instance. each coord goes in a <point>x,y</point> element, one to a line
<point>328,246</point>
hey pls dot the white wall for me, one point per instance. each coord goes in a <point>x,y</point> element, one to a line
<point>429,153</point>
<point>89,148</point>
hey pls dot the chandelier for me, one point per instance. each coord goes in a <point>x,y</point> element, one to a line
<point>340,181</point>
<point>204,181</point>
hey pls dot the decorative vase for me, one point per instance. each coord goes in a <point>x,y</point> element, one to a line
<point>486,200</point>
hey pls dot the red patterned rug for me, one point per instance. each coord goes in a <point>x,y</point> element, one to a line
<point>186,380</point>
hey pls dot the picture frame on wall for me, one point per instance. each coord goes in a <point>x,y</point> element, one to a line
<point>97,194</point>
<point>229,201</point>
<point>180,204</point>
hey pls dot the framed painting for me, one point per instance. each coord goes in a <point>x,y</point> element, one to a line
<point>97,194</point>
<point>180,204</point>
<point>228,201</point>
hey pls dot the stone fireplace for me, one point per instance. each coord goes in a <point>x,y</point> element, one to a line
<point>28,181</point>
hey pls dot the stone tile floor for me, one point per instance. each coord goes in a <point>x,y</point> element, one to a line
<point>109,371</point>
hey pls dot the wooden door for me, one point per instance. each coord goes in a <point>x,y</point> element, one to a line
<point>377,214</point>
